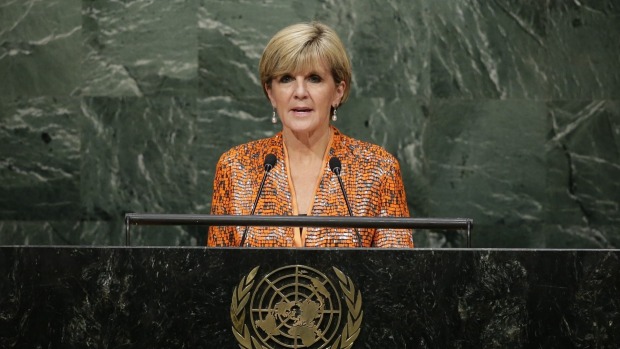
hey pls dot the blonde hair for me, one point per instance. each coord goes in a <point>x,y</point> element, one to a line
<point>302,46</point>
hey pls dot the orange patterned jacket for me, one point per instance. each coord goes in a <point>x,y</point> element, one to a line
<point>371,177</point>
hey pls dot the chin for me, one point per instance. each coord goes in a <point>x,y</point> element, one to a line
<point>306,127</point>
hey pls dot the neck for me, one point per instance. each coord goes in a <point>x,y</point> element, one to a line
<point>306,145</point>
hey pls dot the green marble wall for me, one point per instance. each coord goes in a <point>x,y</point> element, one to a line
<point>506,112</point>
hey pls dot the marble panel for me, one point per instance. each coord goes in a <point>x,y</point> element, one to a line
<point>398,125</point>
<point>425,238</point>
<point>584,50</point>
<point>486,162</point>
<point>232,121</point>
<point>161,235</point>
<point>512,235</point>
<point>40,158</point>
<point>144,155</point>
<point>40,48</point>
<point>488,49</point>
<point>387,42</point>
<point>389,45</point>
<point>140,48</point>
<point>503,111</point>
<point>583,159</point>
<point>43,233</point>
<point>580,236</point>
<point>232,36</point>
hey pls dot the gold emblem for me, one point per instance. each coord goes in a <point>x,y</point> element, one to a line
<point>296,307</point>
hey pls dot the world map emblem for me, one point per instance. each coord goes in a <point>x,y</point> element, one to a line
<point>296,307</point>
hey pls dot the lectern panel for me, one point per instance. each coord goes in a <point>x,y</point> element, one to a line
<point>67,297</point>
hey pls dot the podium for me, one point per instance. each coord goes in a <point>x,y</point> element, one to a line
<point>198,297</point>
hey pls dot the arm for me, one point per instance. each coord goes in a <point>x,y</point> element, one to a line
<point>393,203</point>
<point>221,205</point>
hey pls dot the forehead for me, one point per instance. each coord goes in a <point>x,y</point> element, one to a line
<point>307,60</point>
<point>304,68</point>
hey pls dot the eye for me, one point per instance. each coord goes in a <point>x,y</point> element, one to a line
<point>285,78</point>
<point>315,78</point>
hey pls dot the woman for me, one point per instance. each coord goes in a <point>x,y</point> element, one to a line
<point>306,74</point>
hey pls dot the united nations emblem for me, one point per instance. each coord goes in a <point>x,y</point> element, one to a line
<point>296,307</point>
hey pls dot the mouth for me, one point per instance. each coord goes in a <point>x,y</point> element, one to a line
<point>301,110</point>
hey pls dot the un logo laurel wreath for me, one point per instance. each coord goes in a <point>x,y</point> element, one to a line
<point>242,295</point>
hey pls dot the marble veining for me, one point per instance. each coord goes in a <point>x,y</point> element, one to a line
<point>505,112</point>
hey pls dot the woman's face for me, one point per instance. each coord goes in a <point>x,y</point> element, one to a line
<point>303,99</point>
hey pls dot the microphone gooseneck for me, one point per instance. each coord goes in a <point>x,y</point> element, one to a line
<point>335,166</point>
<point>268,164</point>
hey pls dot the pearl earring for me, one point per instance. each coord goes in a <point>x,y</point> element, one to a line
<point>274,120</point>
<point>334,116</point>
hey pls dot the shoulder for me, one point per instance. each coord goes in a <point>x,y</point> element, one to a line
<point>364,153</point>
<point>251,152</point>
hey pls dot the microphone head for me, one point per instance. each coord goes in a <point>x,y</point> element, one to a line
<point>270,162</point>
<point>335,165</point>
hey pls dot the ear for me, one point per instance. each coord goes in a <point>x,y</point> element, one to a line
<point>340,87</point>
<point>270,94</point>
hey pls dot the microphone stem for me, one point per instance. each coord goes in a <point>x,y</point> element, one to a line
<point>260,190</point>
<point>346,200</point>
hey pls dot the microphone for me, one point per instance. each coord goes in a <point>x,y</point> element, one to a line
<point>268,164</point>
<point>335,166</point>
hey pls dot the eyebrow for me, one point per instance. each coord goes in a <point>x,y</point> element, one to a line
<point>314,72</point>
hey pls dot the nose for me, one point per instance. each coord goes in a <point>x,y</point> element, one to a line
<point>300,88</point>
